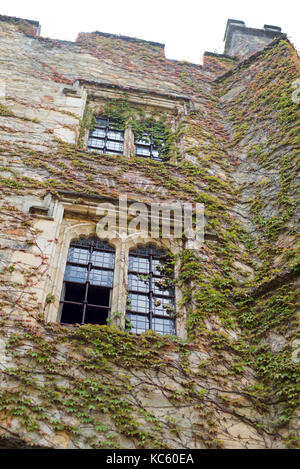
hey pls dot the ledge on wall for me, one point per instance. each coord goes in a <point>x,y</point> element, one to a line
<point>34,27</point>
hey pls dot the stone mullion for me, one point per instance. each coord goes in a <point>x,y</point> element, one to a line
<point>119,297</point>
<point>128,142</point>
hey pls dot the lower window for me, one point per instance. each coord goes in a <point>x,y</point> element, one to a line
<point>88,282</point>
<point>151,296</point>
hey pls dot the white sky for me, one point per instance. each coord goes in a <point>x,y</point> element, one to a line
<point>187,27</point>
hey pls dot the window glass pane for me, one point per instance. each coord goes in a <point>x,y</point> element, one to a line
<point>138,283</point>
<point>96,142</point>
<point>75,273</point>
<point>81,242</point>
<point>103,259</point>
<point>163,306</point>
<point>102,122</point>
<point>159,290</point>
<point>139,323</point>
<point>142,251</point>
<point>145,251</point>
<point>157,265</point>
<point>114,146</point>
<point>156,156</point>
<point>101,277</point>
<point>157,252</point>
<point>143,151</point>
<point>145,140</point>
<point>110,152</point>
<point>100,133</point>
<point>139,303</point>
<point>164,326</point>
<point>99,244</point>
<point>139,264</point>
<point>78,255</point>
<point>115,135</point>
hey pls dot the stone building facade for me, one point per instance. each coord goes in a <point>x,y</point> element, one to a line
<point>223,134</point>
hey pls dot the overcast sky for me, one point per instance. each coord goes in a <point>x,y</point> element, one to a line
<point>187,27</point>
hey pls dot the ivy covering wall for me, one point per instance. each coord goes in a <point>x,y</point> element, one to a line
<point>234,382</point>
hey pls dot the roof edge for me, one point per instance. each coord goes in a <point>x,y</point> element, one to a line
<point>221,56</point>
<point>128,38</point>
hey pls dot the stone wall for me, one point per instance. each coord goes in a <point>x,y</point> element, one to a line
<point>232,383</point>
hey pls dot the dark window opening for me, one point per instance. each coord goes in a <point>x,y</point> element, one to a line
<point>151,297</point>
<point>88,282</point>
<point>71,314</point>
<point>151,147</point>
<point>74,292</point>
<point>106,137</point>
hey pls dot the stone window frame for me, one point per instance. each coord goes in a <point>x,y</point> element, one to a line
<point>130,143</point>
<point>174,105</point>
<point>70,231</point>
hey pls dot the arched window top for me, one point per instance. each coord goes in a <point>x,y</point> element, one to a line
<point>94,242</point>
<point>147,250</point>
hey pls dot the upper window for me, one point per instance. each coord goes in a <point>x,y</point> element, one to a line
<point>151,299</point>
<point>106,137</point>
<point>150,146</point>
<point>88,282</point>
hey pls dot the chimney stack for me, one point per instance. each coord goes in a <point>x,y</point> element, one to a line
<point>242,41</point>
